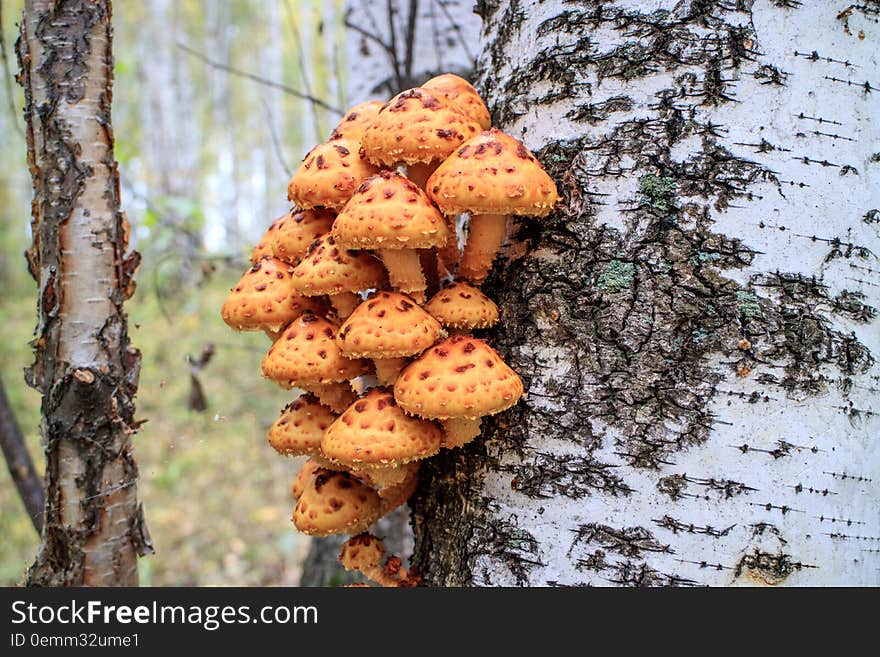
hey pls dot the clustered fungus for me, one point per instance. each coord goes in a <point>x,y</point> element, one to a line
<point>347,286</point>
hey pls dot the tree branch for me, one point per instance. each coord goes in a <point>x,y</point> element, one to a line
<point>259,80</point>
<point>19,462</point>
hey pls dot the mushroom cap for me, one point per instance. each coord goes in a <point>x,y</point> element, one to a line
<point>462,94</point>
<point>295,232</point>
<point>462,377</point>
<point>329,269</point>
<point>305,473</point>
<point>306,353</point>
<point>388,211</point>
<point>264,246</point>
<point>300,427</point>
<point>387,325</point>
<point>416,125</point>
<point>265,298</point>
<point>362,552</point>
<point>329,174</point>
<point>374,431</point>
<point>356,120</point>
<point>462,306</point>
<point>335,503</point>
<point>493,173</point>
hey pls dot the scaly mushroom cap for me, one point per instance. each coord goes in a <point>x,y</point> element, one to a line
<point>416,126</point>
<point>303,476</point>
<point>329,175</point>
<point>264,246</point>
<point>493,173</point>
<point>329,269</point>
<point>375,432</point>
<point>462,94</point>
<point>356,120</point>
<point>335,503</point>
<point>306,354</point>
<point>265,298</point>
<point>390,212</point>
<point>295,232</point>
<point>462,306</point>
<point>387,325</point>
<point>300,427</point>
<point>462,377</point>
<point>362,552</point>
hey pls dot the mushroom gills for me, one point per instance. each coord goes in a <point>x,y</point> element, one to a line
<point>344,303</point>
<point>459,431</point>
<point>336,396</point>
<point>405,272</point>
<point>387,369</point>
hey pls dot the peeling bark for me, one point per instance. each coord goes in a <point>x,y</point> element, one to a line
<point>696,323</point>
<point>85,366</point>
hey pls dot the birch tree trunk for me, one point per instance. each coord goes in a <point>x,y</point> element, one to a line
<point>695,324</point>
<point>85,366</point>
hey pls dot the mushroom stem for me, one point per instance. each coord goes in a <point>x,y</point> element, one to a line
<point>336,396</point>
<point>345,303</point>
<point>486,233</point>
<point>405,272</point>
<point>430,267</point>
<point>459,431</point>
<point>387,369</point>
<point>421,171</point>
<point>450,254</point>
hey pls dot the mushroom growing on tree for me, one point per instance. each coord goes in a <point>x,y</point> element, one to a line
<point>356,120</point>
<point>462,308</point>
<point>388,327</point>
<point>339,273</point>
<point>333,502</point>
<point>265,298</point>
<point>392,216</point>
<point>364,553</point>
<point>300,427</point>
<point>306,356</point>
<point>491,176</point>
<point>457,381</point>
<point>329,174</point>
<point>462,94</point>
<point>295,232</point>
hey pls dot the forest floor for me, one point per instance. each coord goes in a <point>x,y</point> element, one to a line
<point>216,496</point>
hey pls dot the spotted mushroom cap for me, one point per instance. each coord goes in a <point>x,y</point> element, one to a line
<point>462,377</point>
<point>356,120</point>
<point>388,211</point>
<point>305,473</point>
<point>335,503</point>
<point>264,246</point>
<point>462,94</point>
<point>462,306</point>
<point>300,427</point>
<point>374,431</point>
<point>329,175</point>
<point>362,552</point>
<point>306,353</point>
<point>387,325</point>
<point>265,298</point>
<point>295,232</point>
<point>493,173</point>
<point>329,269</point>
<point>416,125</point>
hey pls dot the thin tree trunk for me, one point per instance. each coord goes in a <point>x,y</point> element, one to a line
<point>695,324</point>
<point>18,460</point>
<point>85,366</point>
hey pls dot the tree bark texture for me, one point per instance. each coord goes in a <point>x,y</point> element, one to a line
<point>696,323</point>
<point>85,366</point>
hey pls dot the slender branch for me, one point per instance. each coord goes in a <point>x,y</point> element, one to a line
<point>301,60</point>
<point>395,62</point>
<point>276,143</point>
<point>18,460</point>
<point>369,36</point>
<point>457,29</point>
<point>259,80</point>
<point>7,77</point>
<point>409,42</point>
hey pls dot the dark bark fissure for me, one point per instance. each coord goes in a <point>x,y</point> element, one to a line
<point>637,312</point>
<point>88,409</point>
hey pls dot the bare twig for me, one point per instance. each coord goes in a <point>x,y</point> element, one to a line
<point>301,60</point>
<point>395,62</point>
<point>409,40</point>
<point>7,77</point>
<point>18,460</point>
<point>457,29</point>
<point>258,79</point>
<point>276,143</point>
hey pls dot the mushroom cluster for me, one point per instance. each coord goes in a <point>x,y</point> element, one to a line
<point>347,285</point>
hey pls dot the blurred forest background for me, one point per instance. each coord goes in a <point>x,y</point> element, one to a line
<point>205,154</point>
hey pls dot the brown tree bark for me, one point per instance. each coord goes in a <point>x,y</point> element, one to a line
<point>85,366</point>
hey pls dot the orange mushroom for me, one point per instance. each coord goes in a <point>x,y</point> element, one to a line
<point>329,174</point>
<point>356,120</point>
<point>457,381</point>
<point>364,553</point>
<point>387,327</point>
<point>335,503</point>
<point>491,176</point>
<point>295,232</point>
<point>462,94</point>
<point>461,308</point>
<point>300,427</point>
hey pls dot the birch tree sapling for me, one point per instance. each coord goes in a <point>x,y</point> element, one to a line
<point>696,322</point>
<point>85,366</point>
